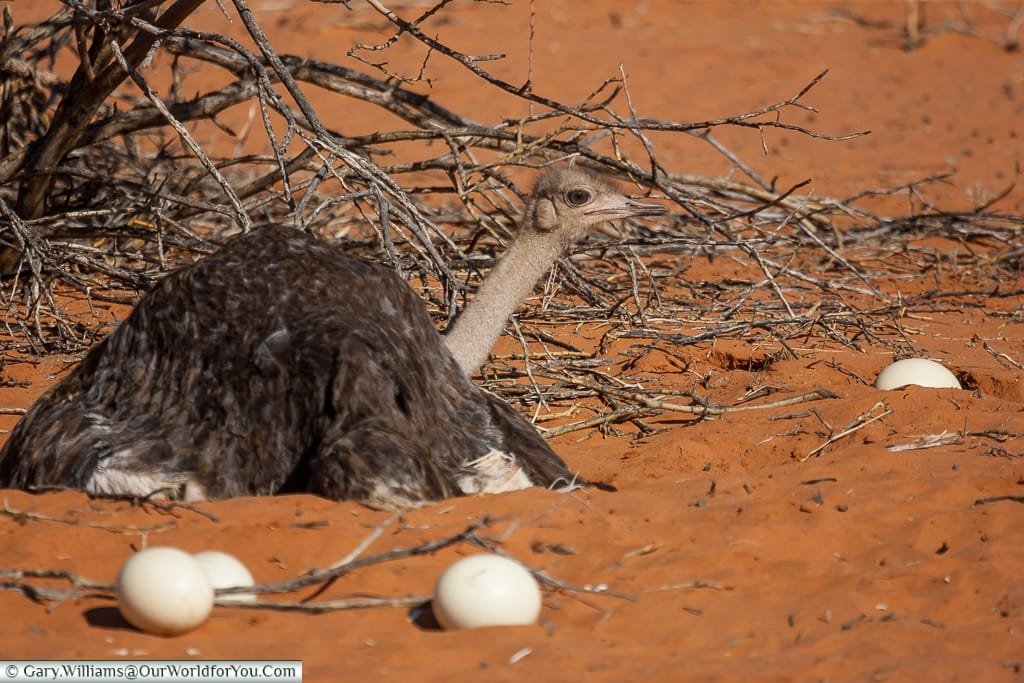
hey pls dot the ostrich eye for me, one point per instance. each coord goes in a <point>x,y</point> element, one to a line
<point>578,197</point>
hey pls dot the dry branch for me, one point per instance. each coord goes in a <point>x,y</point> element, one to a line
<point>24,580</point>
<point>872,414</point>
<point>22,516</point>
<point>126,201</point>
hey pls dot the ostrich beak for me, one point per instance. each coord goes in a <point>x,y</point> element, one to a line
<point>623,208</point>
<point>627,208</point>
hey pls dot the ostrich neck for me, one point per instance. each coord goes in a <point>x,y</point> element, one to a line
<point>474,333</point>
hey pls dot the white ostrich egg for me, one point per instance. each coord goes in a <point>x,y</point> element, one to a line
<point>919,371</point>
<point>486,590</point>
<point>164,591</point>
<point>225,571</point>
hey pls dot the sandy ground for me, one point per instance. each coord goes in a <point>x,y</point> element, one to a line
<point>724,554</point>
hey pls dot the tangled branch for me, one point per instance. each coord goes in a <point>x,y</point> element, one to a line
<point>104,199</point>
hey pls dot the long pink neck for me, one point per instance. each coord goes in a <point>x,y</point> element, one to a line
<point>474,333</point>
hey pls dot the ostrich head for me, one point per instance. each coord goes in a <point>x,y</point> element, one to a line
<point>568,202</point>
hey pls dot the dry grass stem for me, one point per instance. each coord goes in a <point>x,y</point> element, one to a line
<point>872,414</point>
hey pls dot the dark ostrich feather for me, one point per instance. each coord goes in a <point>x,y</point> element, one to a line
<point>278,364</point>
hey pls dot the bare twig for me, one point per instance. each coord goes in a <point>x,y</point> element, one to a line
<point>22,516</point>
<point>862,420</point>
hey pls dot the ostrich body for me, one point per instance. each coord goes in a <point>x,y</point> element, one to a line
<point>281,364</point>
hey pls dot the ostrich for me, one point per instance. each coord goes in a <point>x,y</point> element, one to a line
<point>280,364</point>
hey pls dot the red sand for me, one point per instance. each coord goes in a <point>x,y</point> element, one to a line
<point>741,561</point>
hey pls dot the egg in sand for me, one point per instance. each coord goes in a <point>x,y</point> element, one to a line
<point>918,371</point>
<point>486,590</point>
<point>164,591</point>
